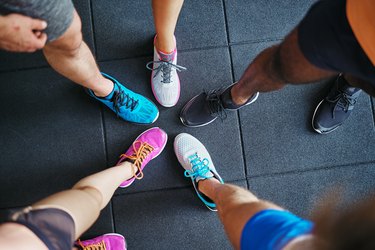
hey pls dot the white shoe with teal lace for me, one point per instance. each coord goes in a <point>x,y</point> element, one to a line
<point>195,159</point>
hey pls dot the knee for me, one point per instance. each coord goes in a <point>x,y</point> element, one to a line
<point>70,42</point>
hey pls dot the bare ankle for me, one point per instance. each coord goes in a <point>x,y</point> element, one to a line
<point>237,97</point>
<point>104,88</point>
<point>206,184</point>
<point>165,45</point>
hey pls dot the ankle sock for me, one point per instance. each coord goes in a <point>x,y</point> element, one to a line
<point>167,56</point>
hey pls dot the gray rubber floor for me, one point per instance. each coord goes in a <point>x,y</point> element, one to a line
<point>52,134</point>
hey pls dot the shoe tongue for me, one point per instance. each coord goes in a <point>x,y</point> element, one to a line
<point>351,90</point>
<point>166,57</point>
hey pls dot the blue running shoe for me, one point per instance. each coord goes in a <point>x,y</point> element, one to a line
<point>195,159</point>
<point>130,106</point>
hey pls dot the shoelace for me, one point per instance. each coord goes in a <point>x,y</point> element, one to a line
<point>120,98</point>
<point>96,246</point>
<point>215,104</point>
<point>199,168</point>
<point>342,101</point>
<point>138,157</point>
<point>165,67</point>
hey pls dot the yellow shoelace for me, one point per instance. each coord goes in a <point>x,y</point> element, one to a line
<point>97,246</point>
<point>138,157</point>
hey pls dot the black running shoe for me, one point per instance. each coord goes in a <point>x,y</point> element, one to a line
<point>208,106</point>
<point>334,109</point>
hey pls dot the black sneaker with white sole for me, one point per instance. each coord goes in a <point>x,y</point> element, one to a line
<point>208,106</point>
<point>336,107</point>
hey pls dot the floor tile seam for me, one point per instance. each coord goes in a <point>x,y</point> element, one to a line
<point>356,164</point>
<point>373,109</point>
<point>205,48</point>
<point>117,195</point>
<point>242,147</point>
<point>93,28</point>
<point>150,55</point>
<point>233,79</point>
<point>225,21</point>
<point>104,135</point>
<point>114,229</point>
<point>249,42</point>
<point>168,189</point>
<point>24,69</point>
<point>142,55</point>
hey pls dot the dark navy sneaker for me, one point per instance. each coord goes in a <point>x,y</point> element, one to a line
<point>336,107</point>
<point>128,105</point>
<point>208,106</point>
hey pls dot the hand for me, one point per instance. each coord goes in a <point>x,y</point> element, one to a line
<point>20,33</point>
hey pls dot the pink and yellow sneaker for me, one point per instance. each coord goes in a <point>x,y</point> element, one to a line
<point>110,241</point>
<point>146,147</point>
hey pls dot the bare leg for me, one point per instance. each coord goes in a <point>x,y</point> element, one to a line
<point>91,193</point>
<point>276,66</point>
<point>166,13</point>
<point>235,206</point>
<point>71,57</point>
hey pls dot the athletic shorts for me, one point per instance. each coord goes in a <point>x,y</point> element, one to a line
<point>328,42</point>
<point>53,226</point>
<point>57,13</point>
<point>273,229</point>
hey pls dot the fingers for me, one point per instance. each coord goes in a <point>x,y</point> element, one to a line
<point>37,33</point>
<point>37,42</point>
<point>40,38</point>
<point>37,24</point>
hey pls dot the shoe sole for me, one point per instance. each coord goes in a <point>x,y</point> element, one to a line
<point>313,118</point>
<point>165,143</point>
<point>196,126</point>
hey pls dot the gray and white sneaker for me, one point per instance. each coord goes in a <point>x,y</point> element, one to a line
<point>336,107</point>
<point>206,107</point>
<point>197,162</point>
<point>165,82</point>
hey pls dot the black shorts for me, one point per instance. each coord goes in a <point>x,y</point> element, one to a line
<point>53,226</point>
<point>328,42</point>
